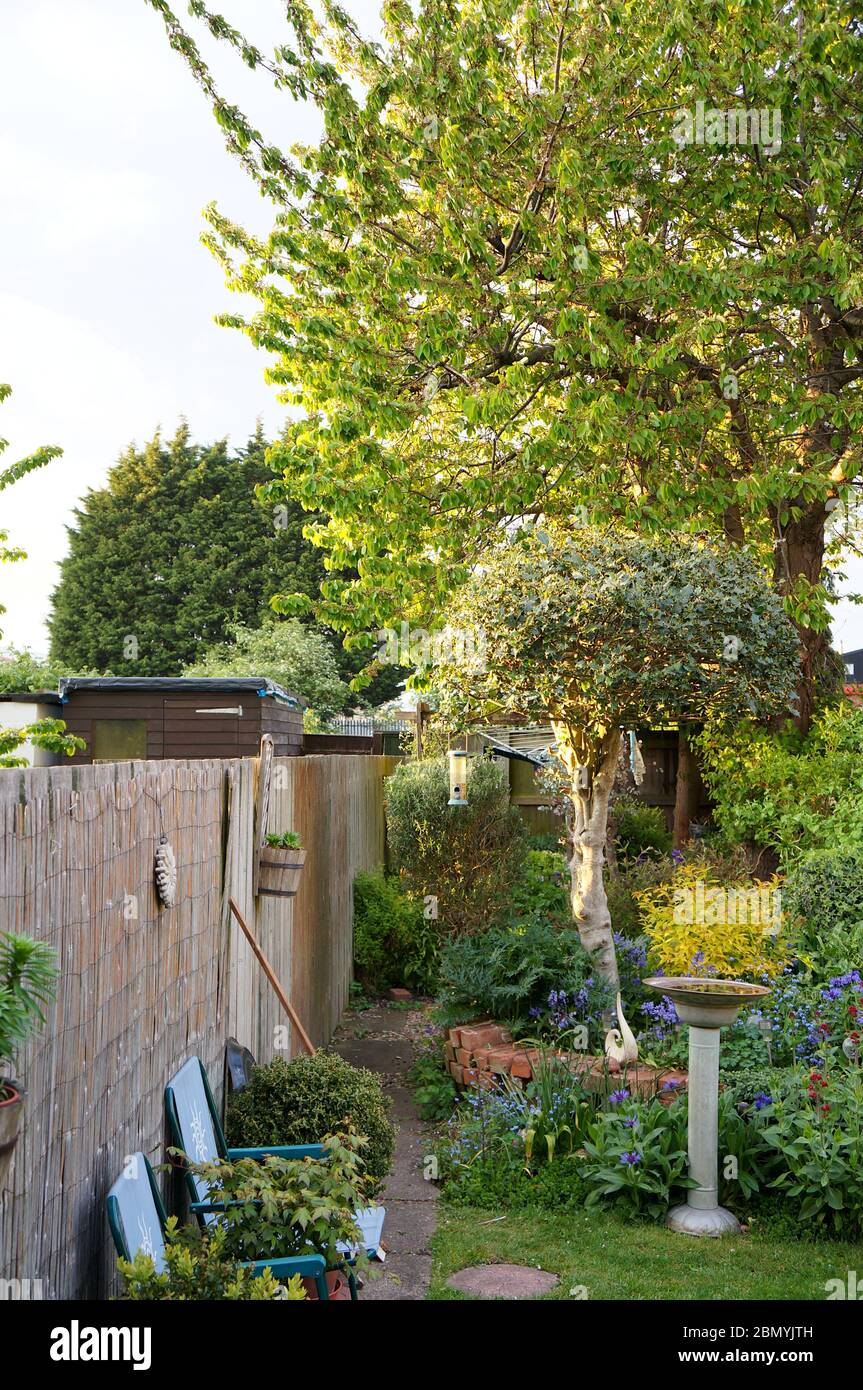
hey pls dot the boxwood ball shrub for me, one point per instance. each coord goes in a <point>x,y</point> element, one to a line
<point>299,1102</point>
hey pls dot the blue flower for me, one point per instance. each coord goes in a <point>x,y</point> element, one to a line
<point>762,1099</point>
<point>631,1158</point>
<point>618,1097</point>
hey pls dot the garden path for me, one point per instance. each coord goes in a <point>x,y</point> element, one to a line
<point>385,1039</point>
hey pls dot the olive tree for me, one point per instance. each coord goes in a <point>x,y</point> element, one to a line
<point>601,633</point>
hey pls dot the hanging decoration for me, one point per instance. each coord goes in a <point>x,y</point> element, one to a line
<point>166,872</point>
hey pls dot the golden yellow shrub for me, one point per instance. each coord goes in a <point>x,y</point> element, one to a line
<point>697,925</point>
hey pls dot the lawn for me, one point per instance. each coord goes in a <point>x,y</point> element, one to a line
<point>613,1260</point>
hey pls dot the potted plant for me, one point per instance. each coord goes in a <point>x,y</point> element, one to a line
<point>295,1206</point>
<point>281,862</point>
<point>28,981</point>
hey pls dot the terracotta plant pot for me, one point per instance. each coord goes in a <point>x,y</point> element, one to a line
<point>337,1284</point>
<point>11,1111</point>
<point>279,871</point>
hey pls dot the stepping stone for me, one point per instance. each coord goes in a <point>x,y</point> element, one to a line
<point>503,1281</point>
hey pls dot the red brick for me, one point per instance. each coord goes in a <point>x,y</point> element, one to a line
<point>500,1059</point>
<point>457,1073</point>
<point>454,1034</point>
<point>449,1052</point>
<point>521,1066</point>
<point>401,994</point>
<point>480,1059</point>
<point>491,1036</point>
<point>463,1056</point>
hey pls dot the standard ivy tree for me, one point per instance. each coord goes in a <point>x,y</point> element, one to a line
<point>602,633</point>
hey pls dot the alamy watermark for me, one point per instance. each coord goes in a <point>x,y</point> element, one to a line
<point>704,905</point>
<point>462,647</point>
<point>711,125</point>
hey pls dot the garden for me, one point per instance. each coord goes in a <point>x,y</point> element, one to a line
<point>557,1086</point>
<point>564,998</point>
<point>574,1170</point>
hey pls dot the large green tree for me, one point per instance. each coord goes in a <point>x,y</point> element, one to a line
<point>608,632</point>
<point>172,550</point>
<point>521,274</point>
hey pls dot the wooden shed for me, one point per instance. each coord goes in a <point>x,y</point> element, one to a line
<point>179,717</point>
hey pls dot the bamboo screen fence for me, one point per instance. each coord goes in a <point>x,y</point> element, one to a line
<point>143,987</point>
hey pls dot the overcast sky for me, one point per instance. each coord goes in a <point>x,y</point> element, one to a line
<point>108,153</point>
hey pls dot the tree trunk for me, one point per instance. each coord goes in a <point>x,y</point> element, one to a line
<point>587,887</point>
<point>687,792</point>
<point>800,554</point>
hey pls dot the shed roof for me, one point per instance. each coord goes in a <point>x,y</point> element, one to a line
<point>259,685</point>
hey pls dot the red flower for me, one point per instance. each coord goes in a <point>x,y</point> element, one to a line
<point>824,1109</point>
<point>852,1009</point>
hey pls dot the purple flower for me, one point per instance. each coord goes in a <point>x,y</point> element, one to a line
<point>671,1084</point>
<point>631,1122</point>
<point>618,1097</point>
<point>631,1158</point>
<point>762,1099</point>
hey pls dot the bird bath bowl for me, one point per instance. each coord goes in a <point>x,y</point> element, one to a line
<point>706,1005</point>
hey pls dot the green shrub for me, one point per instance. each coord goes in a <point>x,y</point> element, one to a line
<point>641,830</point>
<point>823,897</point>
<point>394,942</point>
<point>640,1166</point>
<point>198,1267</point>
<point>506,972</point>
<point>785,792</point>
<point>817,1139</point>
<point>300,1101</point>
<point>434,1089</point>
<point>745,1084</point>
<point>467,857</point>
<point>541,890</point>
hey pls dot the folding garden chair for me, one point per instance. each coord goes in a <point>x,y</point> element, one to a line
<point>196,1129</point>
<point>136,1216</point>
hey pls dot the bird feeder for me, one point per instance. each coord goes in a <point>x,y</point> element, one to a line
<point>457,776</point>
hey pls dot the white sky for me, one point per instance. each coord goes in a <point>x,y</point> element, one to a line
<point>108,153</point>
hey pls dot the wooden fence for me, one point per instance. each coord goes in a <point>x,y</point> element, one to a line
<point>144,987</point>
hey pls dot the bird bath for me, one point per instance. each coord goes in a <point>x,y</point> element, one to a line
<point>706,1005</point>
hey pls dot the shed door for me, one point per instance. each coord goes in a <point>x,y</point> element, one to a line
<point>206,726</point>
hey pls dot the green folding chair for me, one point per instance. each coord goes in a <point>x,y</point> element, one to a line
<point>136,1216</point>
<point>196,1129</point>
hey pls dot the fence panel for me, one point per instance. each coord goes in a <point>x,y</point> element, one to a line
<point>143,987</point>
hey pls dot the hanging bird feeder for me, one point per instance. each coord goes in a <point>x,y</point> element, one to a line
<point>457,776</point>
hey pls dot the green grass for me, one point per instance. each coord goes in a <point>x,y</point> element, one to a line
<point>613,1259</point>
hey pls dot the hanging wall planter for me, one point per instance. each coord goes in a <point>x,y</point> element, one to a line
<point>280,865</point>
